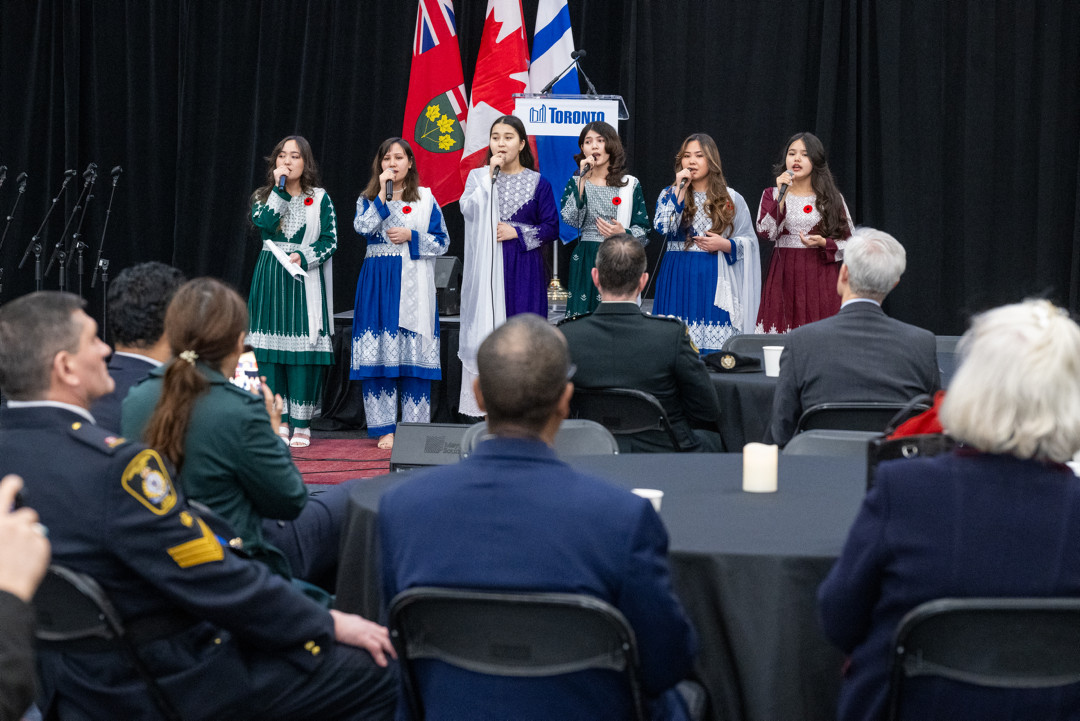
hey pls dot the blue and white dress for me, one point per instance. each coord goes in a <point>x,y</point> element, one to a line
<point>716,294</point>
<point>395,347</point>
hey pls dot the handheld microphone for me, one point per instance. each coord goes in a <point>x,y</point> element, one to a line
<point>495,173</point>
<point>389,190</point>
<point>588,167</point>
<point>281,182</point>
<point>116,171</point>
<point>682,183</point>
<point>783,191</point>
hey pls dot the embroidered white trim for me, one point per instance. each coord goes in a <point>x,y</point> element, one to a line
<point>415,410</point>
<point>710,336</point>
<point>515,191</point>
<point>299,411</point>
<point>276,203</point>
<point>393,349</point>
<point>380,410</point>
<point>379,250</point>
<point>294,218</point>
<point>288,343</point>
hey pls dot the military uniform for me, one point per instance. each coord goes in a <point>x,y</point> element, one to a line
<point>226,638</point>
<point>618,346</point>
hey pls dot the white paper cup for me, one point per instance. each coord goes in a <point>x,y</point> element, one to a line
<point>759,468</point>
<point>772,359</point>
<point>653,495</point>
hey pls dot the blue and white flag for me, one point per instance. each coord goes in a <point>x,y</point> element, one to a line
<point>552,45</point>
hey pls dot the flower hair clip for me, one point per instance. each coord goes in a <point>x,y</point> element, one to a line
<point>189,355</point>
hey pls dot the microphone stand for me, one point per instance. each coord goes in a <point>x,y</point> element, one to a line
<point>60,250</point>
<point>547,88</point>
<point>7,226</point>
<point>592,88</point>
<point>76,238</point>
<point>100,263</point>
<point>35,242</point>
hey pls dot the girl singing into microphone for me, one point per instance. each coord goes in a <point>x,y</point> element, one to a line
<point>291,319</point>
<point>711,272</point>
<point>510,213</point>
<point>810,225</point>
<point>395,347</point>
<point>600,201</point>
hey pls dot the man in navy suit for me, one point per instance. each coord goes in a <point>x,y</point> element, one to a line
<point>860,354</point>
<point>512,516</point>
<point>137,301</point>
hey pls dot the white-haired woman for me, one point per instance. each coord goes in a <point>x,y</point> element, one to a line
<point>999,516</point>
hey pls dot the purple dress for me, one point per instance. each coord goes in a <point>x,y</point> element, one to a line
<point>527,203</point>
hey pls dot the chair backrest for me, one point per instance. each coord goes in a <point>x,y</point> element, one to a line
<point>868,416</point>
<point>752,343</point>
<point>576,437</point>
<point>829,442</point>
<point>994,642</point>
<point>623,411</point>
<point>72,608</point>
<point>518,634</point>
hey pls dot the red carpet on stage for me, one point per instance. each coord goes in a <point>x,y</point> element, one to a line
<point>333,461</point>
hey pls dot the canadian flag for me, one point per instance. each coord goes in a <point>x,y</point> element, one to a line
<point>502,69</point>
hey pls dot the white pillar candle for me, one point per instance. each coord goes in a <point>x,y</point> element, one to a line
<point>759,468</point>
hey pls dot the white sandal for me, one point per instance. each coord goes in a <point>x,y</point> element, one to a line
<point>301,438</point>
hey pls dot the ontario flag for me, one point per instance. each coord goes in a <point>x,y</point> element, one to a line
<point>502,69</point>
<point>436,108</point>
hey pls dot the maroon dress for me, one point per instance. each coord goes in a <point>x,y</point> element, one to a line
<point>801,285</point>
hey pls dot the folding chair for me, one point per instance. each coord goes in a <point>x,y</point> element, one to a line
<point>867,416</point>
<point>73,610</point>
<point>575,438</point>
<point>829,442</point>
<point>994,642</point>
<point>623,411</point>
<point>524,635</point>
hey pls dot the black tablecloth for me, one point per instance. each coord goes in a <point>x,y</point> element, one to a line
<point>745,407</point>
<point>746,566</point>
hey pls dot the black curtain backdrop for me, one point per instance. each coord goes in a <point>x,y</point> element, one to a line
<point>955,126</point>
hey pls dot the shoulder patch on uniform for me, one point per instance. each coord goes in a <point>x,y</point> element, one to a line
<point>147,479</point>
<point>204,549</point>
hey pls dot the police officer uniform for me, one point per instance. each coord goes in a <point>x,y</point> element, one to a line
<point>618,346</point>
<point>226,638</point>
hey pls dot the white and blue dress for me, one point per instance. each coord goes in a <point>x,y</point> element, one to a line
<point>716,294</point>
<point>395,346</point>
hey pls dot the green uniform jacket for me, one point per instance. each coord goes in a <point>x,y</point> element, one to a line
<point>233,461</point>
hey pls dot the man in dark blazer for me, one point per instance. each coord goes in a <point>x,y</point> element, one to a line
<point>137,301</point>
<point>512,516</point>
<point>223,635</point>
<point>860,354</point>
<point>618,346</point>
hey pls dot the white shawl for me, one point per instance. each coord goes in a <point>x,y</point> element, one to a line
<point>319,277</point>
<point>416,304</point>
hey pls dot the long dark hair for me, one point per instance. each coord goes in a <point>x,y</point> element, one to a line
<point>410,192</point>
<point>205,317</point>
<point>525,157</point>
<point>614,148</point>
<point>309,179</point>
<point>830,203</point>
<point>718,203</point>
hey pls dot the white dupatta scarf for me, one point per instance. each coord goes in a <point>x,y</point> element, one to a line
<point>483,295</point>
<point>416,304</point>
<point>315,278</point>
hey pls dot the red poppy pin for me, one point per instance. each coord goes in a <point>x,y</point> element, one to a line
<point>308,201</point>
<point>808,209</point>
<point>616,200</point>
<point>406,210</point>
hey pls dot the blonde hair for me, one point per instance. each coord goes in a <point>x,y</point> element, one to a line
<point>1017,390</point>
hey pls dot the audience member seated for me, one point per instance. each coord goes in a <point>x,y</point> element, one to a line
<point>618,346</point>
<point>24,556</point>
<point>223,440</point>
<point>513,516</point>
<point>137,301</point>
<point>225,637</point>
<point>860,354</point>
<point>997,517</point>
